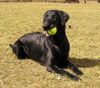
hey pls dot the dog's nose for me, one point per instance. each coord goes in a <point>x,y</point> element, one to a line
<point>46,24</point>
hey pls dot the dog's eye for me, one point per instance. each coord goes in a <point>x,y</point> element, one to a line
<point>53,15</point>
<point>46,15</point>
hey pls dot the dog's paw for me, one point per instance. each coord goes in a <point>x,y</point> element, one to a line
<point>50,69</point>
<point>79,73</point>
<point>75,78</point>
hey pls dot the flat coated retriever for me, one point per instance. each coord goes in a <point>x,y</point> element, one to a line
<point>52,51</point>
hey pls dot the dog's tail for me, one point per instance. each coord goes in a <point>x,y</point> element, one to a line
<point>11,45</point>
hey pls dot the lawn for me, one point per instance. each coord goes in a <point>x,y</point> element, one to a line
<point>17,19</point>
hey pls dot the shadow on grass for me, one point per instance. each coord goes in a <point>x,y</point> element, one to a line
<point>85,62</point>
<point>79,62</point>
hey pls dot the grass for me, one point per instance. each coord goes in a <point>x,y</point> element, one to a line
<point>17,19</point>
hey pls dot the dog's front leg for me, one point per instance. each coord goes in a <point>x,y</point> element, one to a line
<point>50,66</point>
<point>50,63</point>
<point>74,68</point>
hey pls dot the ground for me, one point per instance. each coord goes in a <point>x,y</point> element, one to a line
<point>17,19</point>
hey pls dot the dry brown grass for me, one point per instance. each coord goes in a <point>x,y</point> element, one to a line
<point>17,19</point>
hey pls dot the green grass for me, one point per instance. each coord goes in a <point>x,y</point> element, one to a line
<point>17,19</point>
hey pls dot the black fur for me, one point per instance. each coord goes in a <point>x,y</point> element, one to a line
<point>58,19</point>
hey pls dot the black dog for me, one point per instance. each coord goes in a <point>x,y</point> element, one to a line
<point>51,51</point>
<point>56,18</point>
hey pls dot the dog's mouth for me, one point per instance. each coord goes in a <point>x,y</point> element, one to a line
<point>52,31</point>
<point>46,28</point>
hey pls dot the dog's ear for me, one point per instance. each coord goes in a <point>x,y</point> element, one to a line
<point>63,17</point>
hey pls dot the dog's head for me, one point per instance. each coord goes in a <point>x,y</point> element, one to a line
<point>54,18</point>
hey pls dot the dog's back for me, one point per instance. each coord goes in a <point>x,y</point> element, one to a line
<point>30,44</point>
<point>35,46</point>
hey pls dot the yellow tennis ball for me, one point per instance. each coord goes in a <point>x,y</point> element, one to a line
<point>52,31</point>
